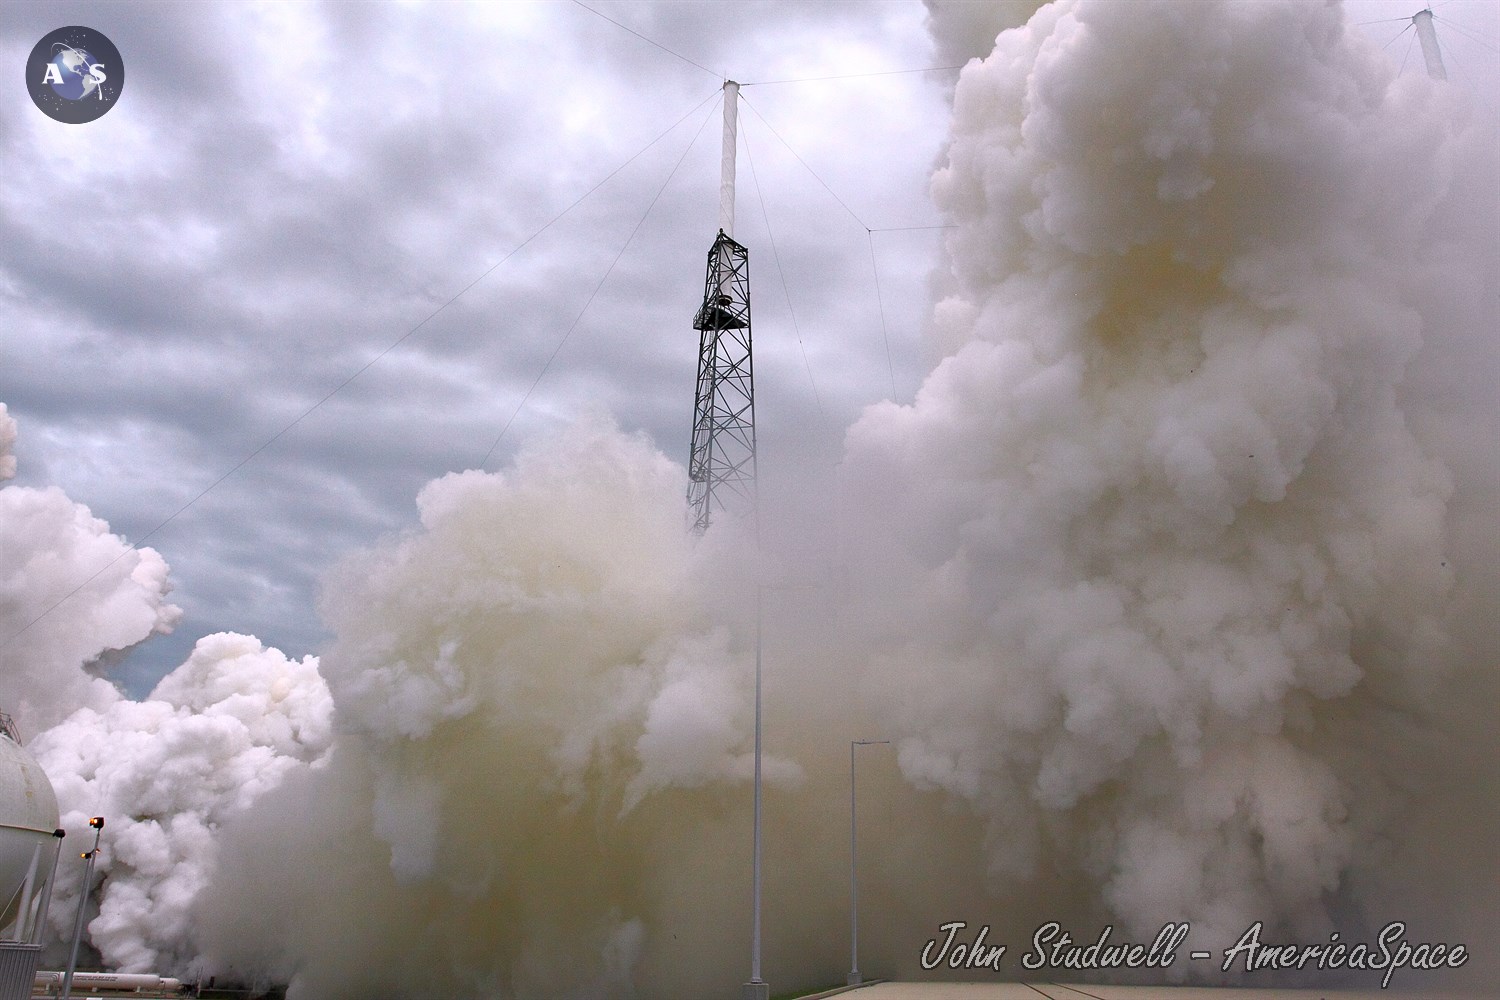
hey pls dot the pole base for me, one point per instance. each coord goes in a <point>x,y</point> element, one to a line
<point>755,990</point>
<point>853,979</point>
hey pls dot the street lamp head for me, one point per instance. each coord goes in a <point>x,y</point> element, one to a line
<point>97,822</point>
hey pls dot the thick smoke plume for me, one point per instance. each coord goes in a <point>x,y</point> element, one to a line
<point>167,772</point>
<point>1164,531</point>
<point>537,722</point>
<point>1174,588</point>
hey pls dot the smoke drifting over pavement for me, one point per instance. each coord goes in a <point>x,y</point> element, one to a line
<point>1171,587</point>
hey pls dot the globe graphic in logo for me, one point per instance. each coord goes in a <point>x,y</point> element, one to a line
<point>75,67</point>
<point>74,74</point>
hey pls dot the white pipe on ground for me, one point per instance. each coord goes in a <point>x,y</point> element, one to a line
<point>118,982</point>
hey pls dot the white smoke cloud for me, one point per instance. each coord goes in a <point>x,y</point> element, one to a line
<point>527,673</point>
<point>166,773</point>
<point>526,687</point>
<point>555,597</point>
<point>962,31</point>
<point>1157,533</point>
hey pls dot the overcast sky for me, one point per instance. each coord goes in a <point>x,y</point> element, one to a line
<point>286,191</point>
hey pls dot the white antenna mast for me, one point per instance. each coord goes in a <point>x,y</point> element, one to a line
<point>726,181</point>
<point>1423,21</point>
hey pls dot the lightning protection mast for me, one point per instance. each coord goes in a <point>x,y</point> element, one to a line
<point>721,465</point>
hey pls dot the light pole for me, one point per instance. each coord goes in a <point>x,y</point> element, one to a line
<point>88,875</point>
<point>854,978</point>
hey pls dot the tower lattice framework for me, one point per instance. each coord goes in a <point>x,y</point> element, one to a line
<point>721,466</point>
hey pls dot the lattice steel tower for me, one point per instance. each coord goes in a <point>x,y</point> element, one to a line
<point>721,465</point>
<point>721,468</point>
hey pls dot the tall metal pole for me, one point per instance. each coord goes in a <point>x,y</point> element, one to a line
<point>41,912</point>
<point>88,876</point>
<point>721,461</point>
<point>854,978</point>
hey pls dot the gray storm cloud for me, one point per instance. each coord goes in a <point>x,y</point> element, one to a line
<point>1170,587</point>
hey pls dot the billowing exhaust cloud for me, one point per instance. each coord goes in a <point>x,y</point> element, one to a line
<point>537,722</point>
<point>1172,588</point>
<point>1156,568</point>
<point>167,773</point>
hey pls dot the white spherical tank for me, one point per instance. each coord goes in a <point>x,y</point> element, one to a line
<point>28,816</point>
